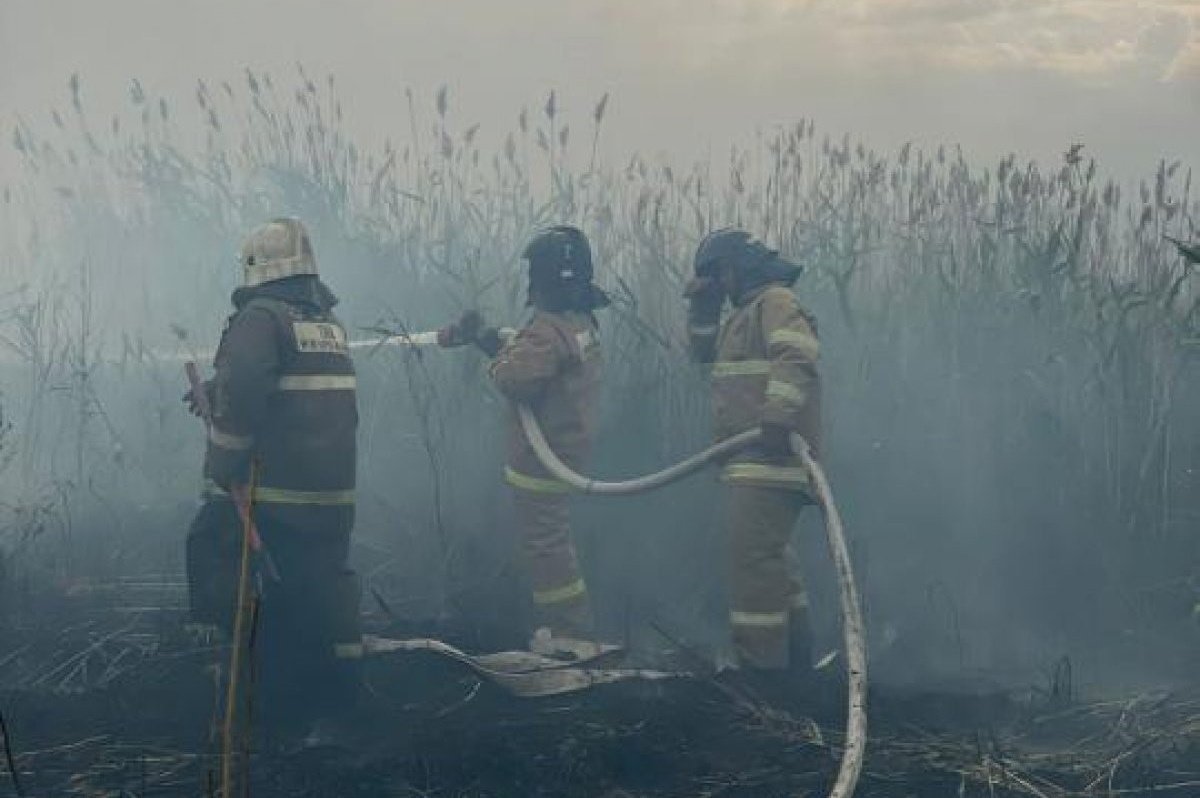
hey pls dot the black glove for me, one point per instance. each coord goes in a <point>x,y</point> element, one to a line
<point>489,341</point>
<point>705,298</point>
<point>462,332</point>
<point>193,404</point>
<point>776,440</point>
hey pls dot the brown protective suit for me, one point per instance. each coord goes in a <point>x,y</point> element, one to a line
<point>764,371</point>
<point>284,398</point>
<point>552,365</point>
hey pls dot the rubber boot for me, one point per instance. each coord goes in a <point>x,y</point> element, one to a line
<point>346,636</point>
<point>335,707</point>
<point>788,689</point>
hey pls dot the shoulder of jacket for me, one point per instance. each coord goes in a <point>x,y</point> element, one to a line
<point>545,324</point>
<point>250,312</point>
<point>574,335</point>
<point>782,297</point>
<point>278,312</point>
<point>778,296</point>
<point>539,326</point>
<point>258,318</point>
<point>276,307</point>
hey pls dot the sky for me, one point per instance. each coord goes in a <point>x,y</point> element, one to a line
<point>686,77</point>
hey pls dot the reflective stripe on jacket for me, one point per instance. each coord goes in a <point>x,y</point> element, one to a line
<point>765,371</point>
<point>552,365</point>
<point>284,394</point>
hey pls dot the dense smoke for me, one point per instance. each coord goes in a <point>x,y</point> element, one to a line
<point>1008,349</point>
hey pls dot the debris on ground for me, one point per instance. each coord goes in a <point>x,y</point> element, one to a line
<point>119,701</point>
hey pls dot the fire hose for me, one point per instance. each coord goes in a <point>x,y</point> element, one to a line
<point>851,606</point>
<point>853,633</point>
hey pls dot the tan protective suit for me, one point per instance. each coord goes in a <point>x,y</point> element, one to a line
<point>765,370</point>
<point>552,365</point>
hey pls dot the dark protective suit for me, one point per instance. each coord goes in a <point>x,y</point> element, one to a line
<point>284,398</point>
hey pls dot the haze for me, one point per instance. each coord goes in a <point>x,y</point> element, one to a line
<point>686,76</point>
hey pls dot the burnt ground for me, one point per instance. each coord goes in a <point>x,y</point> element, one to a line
<point>107,698</point>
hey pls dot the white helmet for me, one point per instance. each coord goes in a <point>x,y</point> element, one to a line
<point>280,248</point>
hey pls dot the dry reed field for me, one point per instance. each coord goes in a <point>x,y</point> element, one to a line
<point>1013,411</point>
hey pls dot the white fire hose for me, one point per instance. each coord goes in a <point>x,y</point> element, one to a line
<point>851,606</point>
<point>853,633</point>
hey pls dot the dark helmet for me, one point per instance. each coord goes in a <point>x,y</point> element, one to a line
<point>560,269</point>
<point>754,263</point>
<point>726,244</point>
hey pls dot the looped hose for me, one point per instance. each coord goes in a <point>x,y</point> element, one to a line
<point>562,472</point>
<point>853,629</point>
<point>849,602</point>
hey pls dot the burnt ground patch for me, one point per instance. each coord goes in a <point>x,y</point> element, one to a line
<point>107,702</point>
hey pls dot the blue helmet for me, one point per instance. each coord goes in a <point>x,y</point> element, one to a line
<point>727,244</point>
<point>754,263</point>
<point>560,269</point>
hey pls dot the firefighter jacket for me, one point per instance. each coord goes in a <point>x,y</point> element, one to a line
<point>765,371</point>
<point>284,397</point>
<point>553,366</point>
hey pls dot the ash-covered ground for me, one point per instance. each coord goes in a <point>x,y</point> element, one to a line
<point>104,695</point>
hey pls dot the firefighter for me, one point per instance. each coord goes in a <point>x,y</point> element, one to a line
<point>284,413</point>
<point>553,366</point>
<point>763,357</point>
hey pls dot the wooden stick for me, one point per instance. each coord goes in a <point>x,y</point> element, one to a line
<point>239,632</point>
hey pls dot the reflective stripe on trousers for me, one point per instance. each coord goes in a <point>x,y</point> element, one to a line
<point>266,495</point>
<point>558,595</point>
<point>311,497</point>
<point>318,382</point>
<point>534,484</point>
<point>229,441</point>
<point>758,619</point>
<point>761,582</point>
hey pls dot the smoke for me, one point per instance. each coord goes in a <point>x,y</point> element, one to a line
<point>1011,398</point>
<point>688,78</point>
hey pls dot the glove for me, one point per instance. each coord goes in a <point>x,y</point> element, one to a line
<point>705,298</point>
<point>193,403</point>
<point>776,440</point>
<point>489,341</point>
<point>462,332</point>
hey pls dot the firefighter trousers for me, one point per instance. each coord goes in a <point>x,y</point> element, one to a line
<point>307,642</point>
<point>768,603</point>
<point>560,597</point>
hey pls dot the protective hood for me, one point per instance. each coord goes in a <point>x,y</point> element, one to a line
<point>753,263</point>
<point>763,268</point>
<point>306,290</point>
